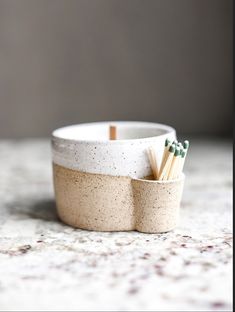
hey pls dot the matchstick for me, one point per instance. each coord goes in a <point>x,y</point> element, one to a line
<point>153,162</point>
<point>178,162</point>
<point>164,158</point>
<point>169,156</point>
<point>177,169</point>
<point>112,132</point>
<point>184,154</point>
<point>182,158</point>
<point>181,163</point>
<point>174,164</point>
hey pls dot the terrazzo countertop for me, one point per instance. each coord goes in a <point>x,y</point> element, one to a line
<point>46,265</point>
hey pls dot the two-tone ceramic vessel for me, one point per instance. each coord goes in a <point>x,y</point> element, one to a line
<point>99,183</point>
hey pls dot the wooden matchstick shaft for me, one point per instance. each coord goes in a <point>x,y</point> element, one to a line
<point>173,168</point>
<point>176,172</point>
<point>174,164</point>
<point>167,167</point>
<point>164,173</point>
<point>183,156</point>
<point>112,133</point>
<point>153,162</point>
<point>181,165</point>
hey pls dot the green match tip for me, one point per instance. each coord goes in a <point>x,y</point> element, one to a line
<point>183,153</point>
<point>172,148</point>
<point>167,142</point>
<point>186,144</point>
<point>177,151</point>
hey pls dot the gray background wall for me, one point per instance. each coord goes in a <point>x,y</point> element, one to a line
<point>64,62</point>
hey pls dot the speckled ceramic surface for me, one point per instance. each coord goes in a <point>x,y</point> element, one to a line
<point>106,203</point>
<point>94,201</point>
<point>157,204</point>
<point>92,174</point>
<point>86,147</point>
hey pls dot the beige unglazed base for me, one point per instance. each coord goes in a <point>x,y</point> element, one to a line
<point>157,204</point>
<point>94,201</point>
<point>109,203</point>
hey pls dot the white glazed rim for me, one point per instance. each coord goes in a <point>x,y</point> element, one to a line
<point>56,134</point>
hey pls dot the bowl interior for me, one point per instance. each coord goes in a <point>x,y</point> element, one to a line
<point>100,131</point>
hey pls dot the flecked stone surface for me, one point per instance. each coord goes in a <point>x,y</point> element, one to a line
<point>46,265</point>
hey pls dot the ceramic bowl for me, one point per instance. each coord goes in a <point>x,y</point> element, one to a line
<point>92,174</point>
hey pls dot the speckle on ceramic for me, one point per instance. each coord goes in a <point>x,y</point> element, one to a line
<point>87,148</point>
<point>157,204</point>
<point>93,175</point>
<point>94,201</point>
<point>105,203</point>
